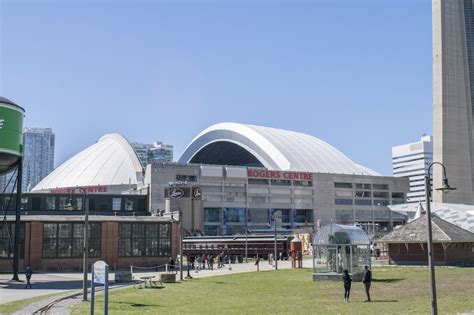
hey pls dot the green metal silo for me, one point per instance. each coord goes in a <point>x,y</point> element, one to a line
<point>11,134</point>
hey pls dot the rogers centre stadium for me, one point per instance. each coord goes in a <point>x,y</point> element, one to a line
<point>231,179</point>
<point>246,173</point>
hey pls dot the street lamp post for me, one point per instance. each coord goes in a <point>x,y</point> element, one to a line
<point>180,221</point>
<point>446,188</point>
<point>85,249</point>
<point>275,243</point>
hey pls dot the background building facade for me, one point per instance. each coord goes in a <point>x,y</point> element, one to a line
<point>453,91</point>
<point>38,158</point>
<point>412,160</point>
<point>153,153</point>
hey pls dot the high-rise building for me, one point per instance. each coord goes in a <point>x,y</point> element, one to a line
<point>156,152</point>
<point>38,158</point>
<point>412,160</point>
<point>453,98</point>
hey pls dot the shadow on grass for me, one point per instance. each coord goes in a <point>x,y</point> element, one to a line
<point>393,280</point>
<point>376,301</point>
<point>137,304</point>
<point>220,282</point>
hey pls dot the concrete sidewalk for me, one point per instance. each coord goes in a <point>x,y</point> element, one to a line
<point>48,283</point>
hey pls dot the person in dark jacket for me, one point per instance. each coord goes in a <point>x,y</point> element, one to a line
<point>28,273</point>
<point>346,279</point>
<point>367,280</point>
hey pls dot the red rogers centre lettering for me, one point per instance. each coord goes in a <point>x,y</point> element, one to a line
<point>267,174</point>
<point>89,189</point>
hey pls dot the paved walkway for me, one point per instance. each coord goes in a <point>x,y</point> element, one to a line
<point>48,283</point>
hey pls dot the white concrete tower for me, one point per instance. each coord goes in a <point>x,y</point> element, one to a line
<point>453,71</point>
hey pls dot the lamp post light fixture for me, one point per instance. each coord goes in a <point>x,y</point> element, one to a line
<point>85,249</point>
<point>445,189</point>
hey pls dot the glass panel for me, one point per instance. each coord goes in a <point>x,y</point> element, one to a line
<point>50,203</point>
<point>49,230</point>
<point>128,204</point>
<point>63,203</point>
<point>116,204</point>
<point>65,230</point>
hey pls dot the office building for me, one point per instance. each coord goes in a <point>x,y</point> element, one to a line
<point>153,153</point>
<point>38,155</point>
<point>453,95</point>
<point>412,160</point>
<point>38,158</point>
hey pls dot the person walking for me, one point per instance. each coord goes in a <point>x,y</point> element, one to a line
<point>198,264</point>
<point>28,273</point>
<point>346,279</point>
<point>203,260</point>
<point>171,265</point>
<point>257,261</point>
<point>367,280</point>
<point>211,262</point>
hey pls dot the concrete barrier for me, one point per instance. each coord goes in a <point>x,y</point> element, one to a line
<point>123,276</point>
<point>168,277</point>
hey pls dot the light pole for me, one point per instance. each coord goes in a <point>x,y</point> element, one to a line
<point>180,243</point>
<point>446,188</point>
<point>85,249</point>
<point>275,242</point>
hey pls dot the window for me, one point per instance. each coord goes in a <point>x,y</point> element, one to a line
<point>185,178</point>
<point>236,215</point>
<point>256,181</point>
<point>212,215</point>
<point>141,204</point>
<point>339,201</point>
<point>281,182</point>
<point>343,185</point>
<point>63,203</point>
<point>363,194</point>
<point>344,216</point>
<point>50,203</point>
<point>66,240</point>
<point>381,186</point>
<point>116,204</point>
<point>285,215</point>
<point>306,183</point>
<point>381,202</point>
<point>144,239</point>
<point>380,194</point>
<point>363,202</point>
<point>304,216</point>
<point>128,204</point>
<point>7,237</point>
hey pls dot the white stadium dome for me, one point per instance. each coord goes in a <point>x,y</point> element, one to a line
<point>276,149</point>
<point>111,161</point>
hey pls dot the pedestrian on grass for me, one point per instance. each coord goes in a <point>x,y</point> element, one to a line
<point>367,280</point>
<point>346,279</point>
<point>171,264</point>
<point>257,261</point>
<point>28,273</point>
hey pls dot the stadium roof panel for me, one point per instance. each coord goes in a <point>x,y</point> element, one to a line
<point>110,161</point>
<point>275,149</point>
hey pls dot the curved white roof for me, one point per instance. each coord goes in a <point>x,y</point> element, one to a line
<point>278,149</point>
<point>110,161</point>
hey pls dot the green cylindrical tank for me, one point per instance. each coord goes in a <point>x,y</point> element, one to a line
<point>11,134</point>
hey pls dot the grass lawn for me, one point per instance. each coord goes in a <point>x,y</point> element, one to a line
<point>395,290</point>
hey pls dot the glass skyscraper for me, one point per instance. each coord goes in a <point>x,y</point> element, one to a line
<point>38,158</point>
<point>156,152</point>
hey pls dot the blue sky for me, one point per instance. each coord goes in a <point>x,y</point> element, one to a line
<point>356,74</point>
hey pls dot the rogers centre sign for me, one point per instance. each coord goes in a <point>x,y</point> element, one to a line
<point>89,189</point>
<point>255,173</point>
